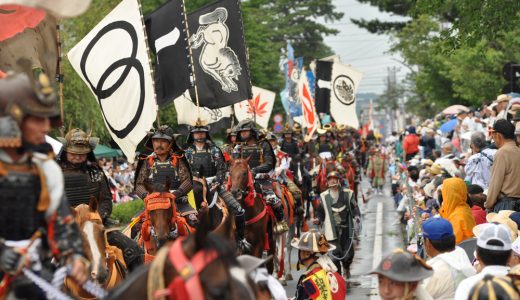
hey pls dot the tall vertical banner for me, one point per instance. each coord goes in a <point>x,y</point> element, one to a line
<point>310,118</point>
<point>113,61</point>
<point>323,79</point>
<point>258,108</point>
<point>292,72</point>
<point>168,41</point>
<point>344,83</point>
<point>219,53</point>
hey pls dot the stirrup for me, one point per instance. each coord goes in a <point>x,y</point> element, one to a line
<point>281,227</point>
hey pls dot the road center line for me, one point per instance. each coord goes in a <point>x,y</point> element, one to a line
<point>378,246</point>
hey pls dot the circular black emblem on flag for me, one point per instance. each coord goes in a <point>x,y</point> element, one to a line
<point>128,63</point>
<point>343,88</point>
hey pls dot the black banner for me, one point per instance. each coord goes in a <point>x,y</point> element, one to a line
<point>323,78</point>
<point>219,54</point>
<point>168,41</point>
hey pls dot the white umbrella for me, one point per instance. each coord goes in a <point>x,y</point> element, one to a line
<point>454,109</point>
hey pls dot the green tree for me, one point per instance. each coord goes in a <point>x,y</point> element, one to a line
<point>268,25</point>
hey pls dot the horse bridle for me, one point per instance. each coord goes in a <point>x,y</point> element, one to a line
<point>187,284</point>
<point>161,204</point>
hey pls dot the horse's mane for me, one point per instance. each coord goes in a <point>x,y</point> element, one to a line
<point>223,247</point>
<point>82,213</point>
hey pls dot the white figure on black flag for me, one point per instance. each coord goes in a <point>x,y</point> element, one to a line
<point>219,55</point>
<point>216,58</point>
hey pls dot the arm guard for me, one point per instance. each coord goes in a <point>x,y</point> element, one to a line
<point>268,159</point>
<point>185,179</point>
<point>105,198</point>
<point>140,179</point>
<point>221,165</point>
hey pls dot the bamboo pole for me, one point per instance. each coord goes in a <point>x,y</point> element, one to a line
<point>59,79</point>
<point>191,59</point>
<point>158,117</point>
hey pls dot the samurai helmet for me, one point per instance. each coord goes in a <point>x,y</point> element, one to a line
<point>162,132</point>
<point>78,141</point>
<point>244,125</point>
<point>270,136</point>
<point>287,129</point>
<point>22,95</point>
<point>199,126</point>
<point>297,127</point>
<point>313,241</point>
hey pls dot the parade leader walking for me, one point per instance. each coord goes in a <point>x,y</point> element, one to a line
<point>504,190</point>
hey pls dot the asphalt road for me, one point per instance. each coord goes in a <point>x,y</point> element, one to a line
<point>380,235</point>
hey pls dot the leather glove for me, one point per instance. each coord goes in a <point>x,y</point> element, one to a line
<point>11,261</point>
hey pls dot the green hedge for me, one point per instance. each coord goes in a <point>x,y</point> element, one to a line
<point>124,212</point>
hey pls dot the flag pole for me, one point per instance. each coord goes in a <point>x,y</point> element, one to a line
<point>59,79</point>
<point>191,58</point>
<point>158,117</point>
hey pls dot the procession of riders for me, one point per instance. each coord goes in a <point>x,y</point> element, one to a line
<point>261,191</point>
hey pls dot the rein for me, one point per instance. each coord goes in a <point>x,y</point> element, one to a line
<point>187,284</point>
<point>250,192</point>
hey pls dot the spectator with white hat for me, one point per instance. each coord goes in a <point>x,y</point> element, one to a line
<point>493,253</point>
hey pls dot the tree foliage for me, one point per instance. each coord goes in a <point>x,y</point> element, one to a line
<point>268,25</point>
<point>455,49</point>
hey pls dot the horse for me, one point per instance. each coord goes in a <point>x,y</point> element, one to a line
<point>107,264</point>
<point>162,223</point>
<point>259,217</point>
<point>200,266</point>
<point>208,202</point>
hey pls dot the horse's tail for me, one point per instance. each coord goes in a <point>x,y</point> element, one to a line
<point>218,15</point>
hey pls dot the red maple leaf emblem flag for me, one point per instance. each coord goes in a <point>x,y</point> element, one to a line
<point>259,108</point>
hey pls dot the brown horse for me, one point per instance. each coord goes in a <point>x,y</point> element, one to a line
<point>208,202</point>
<point>200,266</point>
<point>259,222</point>
<point>162,223</point>
<point>107,264</point>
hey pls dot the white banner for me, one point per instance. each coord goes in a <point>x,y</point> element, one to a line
<point>310,118</point>
<point>187,111</point>
<point>344,83</point>
<point>112,59</point>
<point>261,105</point>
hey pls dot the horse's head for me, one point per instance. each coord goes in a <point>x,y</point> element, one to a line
<point>239,178</point>
<point>94,239</point>
<point>160,208</point>
<point>330,165</point>
<point>214,262</point>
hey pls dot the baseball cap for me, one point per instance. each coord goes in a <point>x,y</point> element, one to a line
<point>504,127</point>
<point>436,229</point>
<point>494,237</point>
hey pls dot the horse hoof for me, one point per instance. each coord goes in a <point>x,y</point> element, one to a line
<point>289,277</point>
